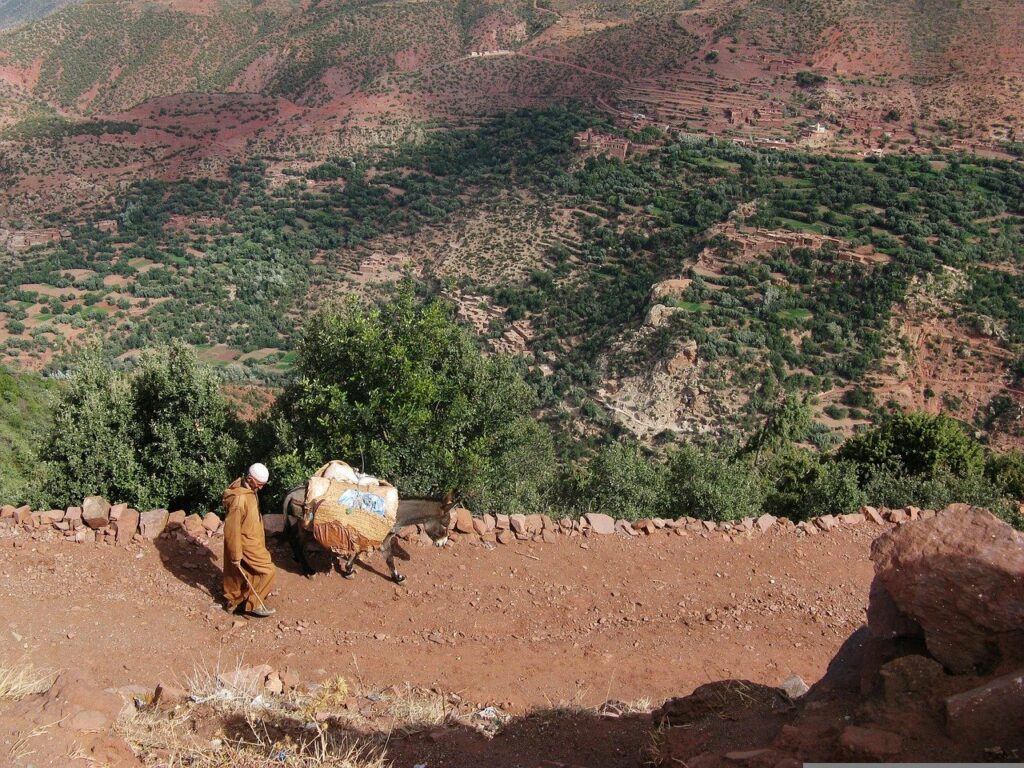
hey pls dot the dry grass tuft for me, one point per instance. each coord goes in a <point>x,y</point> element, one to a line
<point>415,708</point>
<point>172,741</point>
<point>331,694</point>
<point>640,706</point>
<point>336,724</point>
<point>566,707</point>
<point>21,680</point>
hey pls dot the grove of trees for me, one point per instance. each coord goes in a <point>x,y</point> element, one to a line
<point>401,391</point>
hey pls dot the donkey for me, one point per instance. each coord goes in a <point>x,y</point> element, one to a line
<point>432,514</point>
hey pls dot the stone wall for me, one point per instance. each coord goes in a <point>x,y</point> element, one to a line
<point>98,521</point>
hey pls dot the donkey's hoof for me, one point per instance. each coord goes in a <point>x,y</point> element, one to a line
<point>397,578</point>
<point>349,574</point>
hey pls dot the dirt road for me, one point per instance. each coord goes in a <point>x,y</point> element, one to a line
<point>527,625</point>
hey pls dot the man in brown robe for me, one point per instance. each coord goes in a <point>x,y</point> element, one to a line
<point>245,546</point>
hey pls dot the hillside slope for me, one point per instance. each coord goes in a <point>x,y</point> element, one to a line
<point>15,12</point>
<point>960,60</point>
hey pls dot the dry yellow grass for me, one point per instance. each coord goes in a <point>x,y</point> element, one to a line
<point>169,741</point>
<point>20,680</point>
<point>413,709</point>
<point>264,729</point>
<point>336,724</point>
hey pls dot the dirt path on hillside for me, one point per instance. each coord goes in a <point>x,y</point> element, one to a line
<point>522,626</point>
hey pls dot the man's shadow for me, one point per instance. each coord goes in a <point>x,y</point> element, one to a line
<point>192,562</point>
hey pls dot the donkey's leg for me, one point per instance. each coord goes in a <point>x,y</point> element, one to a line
<point>349,571</point>
<point>389,557</point>
<point>298,542</point>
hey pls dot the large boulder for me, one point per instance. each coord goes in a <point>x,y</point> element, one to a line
<point>991,713</point>
<point>96,512</point>
<point>958,579</point>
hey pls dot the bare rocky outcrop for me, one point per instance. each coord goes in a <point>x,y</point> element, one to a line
<point>936,675</point>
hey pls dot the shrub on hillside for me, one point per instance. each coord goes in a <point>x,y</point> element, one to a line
<point>806,79</point>
<point>703,485</point>
<point>159,436</point>
<point>25,413</point>
<point>183,430</point>
<point>1006,471</point>
<point>895,489</point>
<point>403,392</point>
<point>620,481</point>
<point>805,485</point>
<point>789,422</point>
<point>915,444</point>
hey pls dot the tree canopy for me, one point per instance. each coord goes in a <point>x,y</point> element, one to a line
<point>402,392</point>
<point>160,435</point>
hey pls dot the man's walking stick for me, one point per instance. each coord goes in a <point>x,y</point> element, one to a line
<point>251,588</point>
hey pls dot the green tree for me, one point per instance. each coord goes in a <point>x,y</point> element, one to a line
<point>789,422</point>
<point>1006,471</point>
<point>90,449</point>
<point>918,444</point>
<point>26,410</point>
<point>401,391</point>
<point>806,485</point>
<point>183,430</point>
<point>622,482</point>
<point>161,435</point>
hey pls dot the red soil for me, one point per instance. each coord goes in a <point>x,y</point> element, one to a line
<point>522,626</point>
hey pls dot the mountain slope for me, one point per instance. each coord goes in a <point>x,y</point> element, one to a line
<point>111,56</point>
<point>14,12</point>
<point>944,56</point>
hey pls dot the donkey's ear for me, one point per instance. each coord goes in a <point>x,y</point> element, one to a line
<point>449,498</point>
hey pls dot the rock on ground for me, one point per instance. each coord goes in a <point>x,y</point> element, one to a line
<point>960,577</point>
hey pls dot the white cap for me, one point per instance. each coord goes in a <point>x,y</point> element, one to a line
<point>259,473</point>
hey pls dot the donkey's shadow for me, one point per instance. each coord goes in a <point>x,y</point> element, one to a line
<point>323,563</point>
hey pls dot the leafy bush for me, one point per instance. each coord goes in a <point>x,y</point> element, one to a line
<point>836,411</point>
<point>622,482</point>
<point>183,430</point>
<point>806,485</point>
<point>90,448</point>
<point>1006,471</point>
<point>25,412</point>
<point>806,79</point>
<point>895,489</point>
<point>710,487</point>
<point>916,444</point>
<point>158,436</point>
<point>859,397</point>
<point>789,422</point>
<point>402,391</point>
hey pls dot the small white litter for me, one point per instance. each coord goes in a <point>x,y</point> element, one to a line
<point>490,713</point>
